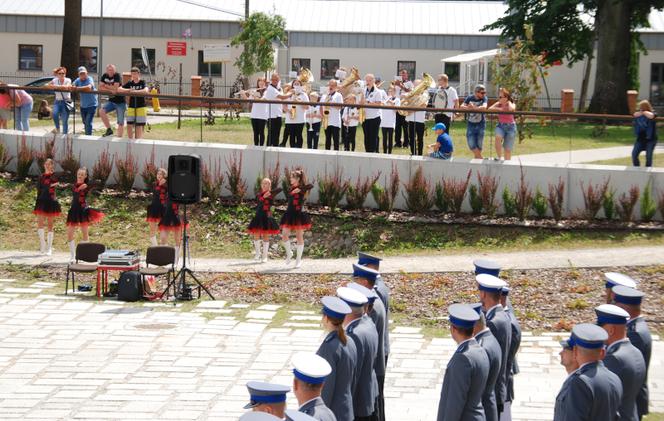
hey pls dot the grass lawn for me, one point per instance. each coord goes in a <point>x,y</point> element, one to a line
<point>654,416</point>
<point>557,136</point>
<point>657,160</point>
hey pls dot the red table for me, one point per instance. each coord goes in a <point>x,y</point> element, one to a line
<point>102,275</point>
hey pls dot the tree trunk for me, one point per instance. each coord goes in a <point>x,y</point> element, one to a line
<point>71,37</point>
<point>613,55</point>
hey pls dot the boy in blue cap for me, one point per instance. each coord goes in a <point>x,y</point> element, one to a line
<point>443,147</point>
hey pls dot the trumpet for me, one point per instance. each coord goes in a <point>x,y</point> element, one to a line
<point>254,93</point>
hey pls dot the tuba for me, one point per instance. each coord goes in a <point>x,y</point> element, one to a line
<point>418,97</point>
<point>305,77</point>
<point>349,83</point>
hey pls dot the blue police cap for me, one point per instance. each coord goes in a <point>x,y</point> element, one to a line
<point>335,307</point>
<point>477,307</point>
<point>258,416</point>
<point>462,315</point>
<point>589,336</point>
<point>369,293</point>
<point>262,392</point>
<point>611,314</point>
<point>293,415</point>
<point>352,297</point>
<point>505,291</point>
<point>360,271</point>
<point>367,259</point>
<point>486,266</point>
<point>490,283</point>
<point>627,295</point>
<point>567,343</point>
<point>613,279</point>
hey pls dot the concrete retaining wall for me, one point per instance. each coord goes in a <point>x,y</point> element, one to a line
<point>258,160</point>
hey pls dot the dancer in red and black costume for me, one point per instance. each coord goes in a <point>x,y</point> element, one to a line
<point>263,224</point>
<point>80,214</point>
<point>47,206</point>
<point>171,223</point>
<point>295,219</point>
<point>158,205</point>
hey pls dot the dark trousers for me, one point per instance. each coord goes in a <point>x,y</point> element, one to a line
<point>273,129</point>
<point>284,137</point>
<point>401,125</point>
<point>332,135</point>
<point>370,128</point>
<point>349,138</point>
<point>380,399</point>
<point>313,135</point>
<point>295,135</point>
<point>372,417</point>
<point>416,137</point>
<point>258,126</point>
<point>442,118</point>
<point>640,146</point>
<point>388,140</point>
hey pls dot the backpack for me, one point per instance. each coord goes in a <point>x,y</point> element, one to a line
<point>130,287</point>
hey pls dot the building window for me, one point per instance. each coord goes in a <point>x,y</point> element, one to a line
<point>30,57</point>
<point>657,84</point>
<point>87,56</point>
<point>298,63</point>
<point>408,66</point>
<point>215,68</point>
<point>452,71</point>
<point>137,59</point>
<point>328,67</point>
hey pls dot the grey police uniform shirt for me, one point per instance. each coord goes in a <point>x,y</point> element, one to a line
<point>515,343</point>
<point>499,323</point>
<point>639,335</point>
<point>337,391</point>
<point>591,393</point>
<point>492,349</point>
<point>378,317</point>
<point>383,292</point>
<point>316,408</point>
<point>363,332</point>
<point>464,382</point>
<point>623,359</point>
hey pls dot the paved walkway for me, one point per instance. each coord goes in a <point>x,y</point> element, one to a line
<point>582,155</point>
<point>542,259</point>
<point>63,358</point>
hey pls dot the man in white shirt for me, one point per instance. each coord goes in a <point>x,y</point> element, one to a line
<point>371,124</point>
<point>402,87</point>
<point>274,93</point>
<point>446,97</point>
<point>332,112</point>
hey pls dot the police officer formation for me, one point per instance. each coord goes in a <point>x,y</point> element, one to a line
<point>606,361</point>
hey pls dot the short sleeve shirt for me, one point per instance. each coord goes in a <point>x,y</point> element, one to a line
<point>334,118</point>
<point>136,101</point>
<point>299,109</point>
<point>373,95</point>
<point>105,78</point>
<point>87,100</point>
<point>407,84</point>
<point>478,102</point>
<point>445,142</point>
<point>389,118</point>
<point>59,95</point>
<point>271,93</point>
<point>450,97</point>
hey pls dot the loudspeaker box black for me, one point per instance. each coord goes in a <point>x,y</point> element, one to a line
<point>184,178</point>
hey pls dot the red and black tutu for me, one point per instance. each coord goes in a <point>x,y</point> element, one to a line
<point>263,223</point>
<point>156,209</point>
<point>295,218</point>
<point>170,220</point>
<point>80,214</point>
<point>47,204</point>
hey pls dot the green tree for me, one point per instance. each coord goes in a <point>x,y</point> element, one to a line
<point>258,33</point>
<point>563,29</point>
<point>71,37</point>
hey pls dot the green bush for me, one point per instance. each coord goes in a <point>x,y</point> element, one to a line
<point>509,202</point>
<point>648,204</point>
<point>609,204</point>
<point>475,200</point>
<point>540,204</point>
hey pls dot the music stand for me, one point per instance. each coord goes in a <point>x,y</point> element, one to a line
<point>179,281</point>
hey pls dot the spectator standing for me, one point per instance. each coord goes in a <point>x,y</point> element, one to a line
<point>62,105</point>
<point>22,102</point>
<point>446,97</point>
<point>506,128</point>
<point>646,133</point>
<point>476,122</point>
<point>5,107</point>
<point>88,102</point>
<point>110,81</point>
<point>137,112</point>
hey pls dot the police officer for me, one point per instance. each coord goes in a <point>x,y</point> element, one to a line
<point>341,354</point>
<point>293,415</point>
<point>567,356</point>
<point>309,374</point>
<point>383,291</point>
<point>592,392</point>
<point>613,279</point>
<point>490,287</point>
<point>363,332</point>
<point>485,338</point>
<point>267,397</point>
<point>467,371</point>
<point>622,358</point>
<point>629,299</point>
<point>258,416</point>
<point>366,278</point>
<point>515,343</point>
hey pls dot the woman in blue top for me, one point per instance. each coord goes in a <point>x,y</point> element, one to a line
<point>88,103</point>
<point>646,133</point>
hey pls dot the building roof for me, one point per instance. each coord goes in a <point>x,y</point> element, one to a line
<point>464,58</point>
<point>417,17</point>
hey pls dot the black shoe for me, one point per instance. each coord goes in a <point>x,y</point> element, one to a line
<point>109,132</point>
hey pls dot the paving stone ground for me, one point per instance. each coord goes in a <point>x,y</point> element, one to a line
<point>65,358</point>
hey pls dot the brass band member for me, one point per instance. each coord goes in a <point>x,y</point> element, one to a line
<point>402,86</point>
<point>332,114</point>
<point>259,111</point>
<point>295,115</point>
<point>371,124</point>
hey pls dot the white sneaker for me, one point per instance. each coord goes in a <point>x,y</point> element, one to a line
<point>49,252</point>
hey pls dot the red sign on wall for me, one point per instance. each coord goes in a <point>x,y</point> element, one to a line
<point>176,48</point>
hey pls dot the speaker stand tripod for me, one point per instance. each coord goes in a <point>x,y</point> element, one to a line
<point>179,281</point>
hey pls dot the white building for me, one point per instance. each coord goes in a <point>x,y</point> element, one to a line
<point>381,37</point>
